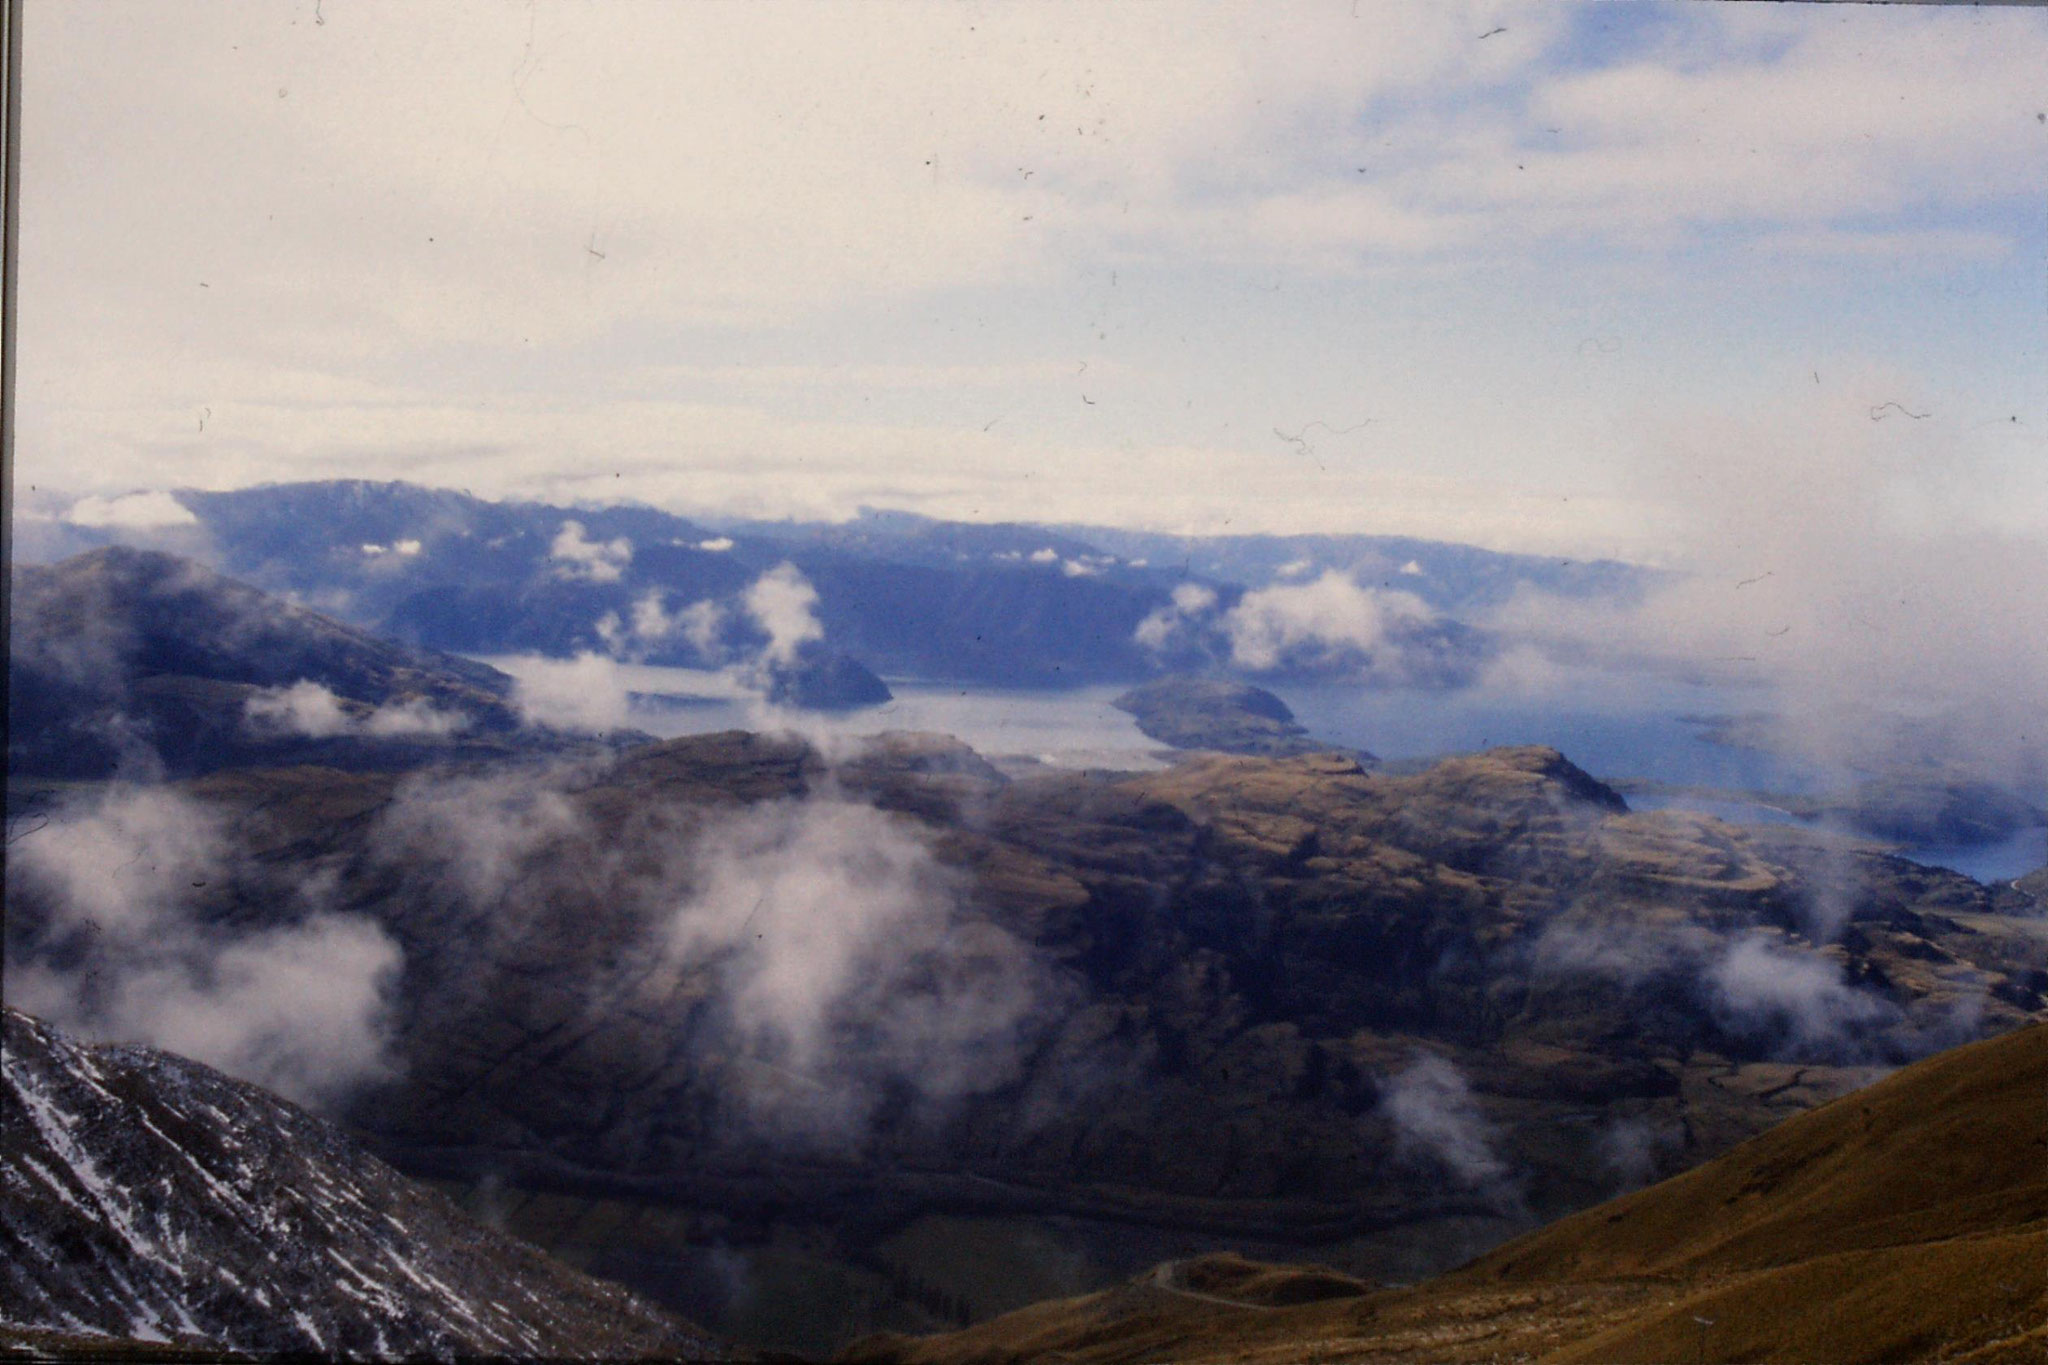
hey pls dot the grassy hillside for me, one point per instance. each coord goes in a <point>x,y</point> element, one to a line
<point>1907,1221</point>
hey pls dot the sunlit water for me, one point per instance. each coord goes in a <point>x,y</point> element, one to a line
<point>1614,726</point>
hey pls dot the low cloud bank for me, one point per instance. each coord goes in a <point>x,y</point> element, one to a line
<point>125,953</point>
<point>649,626</point>
<point>1317,624</point>
<point>1851,563</point>
<point>811,956</point>
<point>1776,993</point>
<point>131,512</point>
<point>308,710</point>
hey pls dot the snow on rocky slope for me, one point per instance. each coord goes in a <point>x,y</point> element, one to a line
<point>148,1198</point>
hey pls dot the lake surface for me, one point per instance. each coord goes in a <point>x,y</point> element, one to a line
<point>1614,726</point>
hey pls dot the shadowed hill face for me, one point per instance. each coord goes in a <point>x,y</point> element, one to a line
<point>1905,1221</point>
<point>120,655</point>
<point>149,1197</point>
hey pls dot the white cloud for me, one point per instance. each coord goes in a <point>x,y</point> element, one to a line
<point>413,717</point>
<point>1333,612</point>
<point>1190,602</point>
<point>131,511</point>
<point>1760,985</point>
<point>584,693</point>
<point>701,624</point>
<point>1433,1111</point>
<point>1848,559</point>
<point>579,557</point>
<point>784,605</point>
<point>300,1008</point>
<point>832,932</point>
<point>304,708</point>
<point>312,711</point>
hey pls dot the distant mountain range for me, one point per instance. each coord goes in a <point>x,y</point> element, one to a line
<point>1008,604</point>
<point>151,1200</point>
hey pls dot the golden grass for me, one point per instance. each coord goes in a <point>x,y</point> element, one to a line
<point>1904,1222</point>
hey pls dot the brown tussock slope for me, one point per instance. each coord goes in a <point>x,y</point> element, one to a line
<point>1906,1221</point>
<point>1955,1146</point>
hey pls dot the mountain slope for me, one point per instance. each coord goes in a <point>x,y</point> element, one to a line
<point>121,655</point>
<point>1243,994</point>
<point>1908,1220</point>
<point>150,1198</point>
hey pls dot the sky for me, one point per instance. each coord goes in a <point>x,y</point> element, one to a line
<point>1529,276</point>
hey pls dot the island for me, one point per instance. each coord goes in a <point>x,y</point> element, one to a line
<point>1218,714</point>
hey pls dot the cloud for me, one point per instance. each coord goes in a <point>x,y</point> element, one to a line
<point>1762,985</point>
<point>413,717</point>
<point>1273,626</point>
<point>476,834</point>
<point>716,545</point>
<point>124,954</point>
<point>1775,991</point>
<point>649,627</point>
<point>784,605</point>
<point>1852,564</point>
<point>309,710</point>
<point>811,955</point>
<point>584,693</point>
<point>844,967</point>
<point>1633,1149</point>
<point>1628,953</point>
<point>703,625</point>
<point>405,549</point>
<point>1190,602</point>
<point>1329,628</point>
<point>591,561</point>
<point>131,512</point>
<point>1434,1114</point>
<point>305,708</point>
